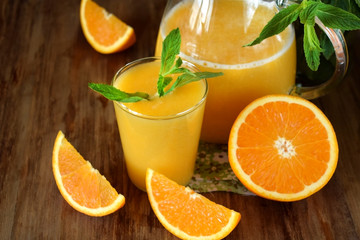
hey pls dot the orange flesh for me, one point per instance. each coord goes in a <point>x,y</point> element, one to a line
<point>85,185</point>
<point>186,210</point>
<point>104,27</point>
<point>260,159</point>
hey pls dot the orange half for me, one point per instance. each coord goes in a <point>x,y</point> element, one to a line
<point>283,148</point>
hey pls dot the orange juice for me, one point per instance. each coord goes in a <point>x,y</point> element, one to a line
<point>213,36</point>
<point>162,133</point>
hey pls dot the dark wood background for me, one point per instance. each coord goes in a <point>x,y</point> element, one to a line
<point>46,64</point>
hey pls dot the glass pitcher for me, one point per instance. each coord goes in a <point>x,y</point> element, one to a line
<point>213,35</point>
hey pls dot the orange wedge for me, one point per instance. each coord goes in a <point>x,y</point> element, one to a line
<point>82,186</point>
<point>104,31</point>
<point>186,214</point>
<point>283,148</point>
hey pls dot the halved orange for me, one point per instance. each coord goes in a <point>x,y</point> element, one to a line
<point>82,186</point>
<point>186,214</point>
<point>105,32</point>
<point>283,148</point>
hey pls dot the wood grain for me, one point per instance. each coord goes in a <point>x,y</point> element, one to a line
<point>46,64</point>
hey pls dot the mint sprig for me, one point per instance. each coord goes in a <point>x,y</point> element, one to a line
<point>171,48</point>
<point>306,11</point>
<point>168,67</point>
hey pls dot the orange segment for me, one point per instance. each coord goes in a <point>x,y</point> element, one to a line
<point>186,214</point>
<point>283,148</point>
<point>104,31</point>
<point>82,186</point>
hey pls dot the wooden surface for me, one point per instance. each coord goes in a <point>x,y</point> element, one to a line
<point>46,64</point>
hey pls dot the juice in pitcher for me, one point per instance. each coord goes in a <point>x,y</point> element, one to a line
<point>213,35</point>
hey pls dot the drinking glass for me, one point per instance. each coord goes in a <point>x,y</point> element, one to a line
<point>161,133</point>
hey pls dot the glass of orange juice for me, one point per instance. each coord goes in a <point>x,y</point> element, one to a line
<point>213,35</point>
<point>162,133</point>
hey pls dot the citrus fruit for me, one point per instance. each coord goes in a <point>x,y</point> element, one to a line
<point>186,214</point>
<point>104,31</point>
<point>283,148</point>
<point>82,186</point>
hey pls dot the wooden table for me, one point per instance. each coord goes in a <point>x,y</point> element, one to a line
<point>46,64</point>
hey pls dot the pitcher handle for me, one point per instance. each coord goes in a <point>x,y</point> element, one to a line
<point>342,60</point>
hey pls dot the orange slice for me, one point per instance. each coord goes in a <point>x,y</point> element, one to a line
<point>82,186</point>
<point>283,148</point>
<point>104,31</point>
<point>186,214</point>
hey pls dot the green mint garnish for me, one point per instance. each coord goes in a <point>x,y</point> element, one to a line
<point>306,11</point>
<point>114,94</point>
<point>171,48</point>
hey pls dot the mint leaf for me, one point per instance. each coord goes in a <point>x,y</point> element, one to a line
<point>167,81</point>
<point>358,3</point>
<point>170,49</point>
<point>115,94</point>
<point>189,77</point>
<point>312,47</point>
<point>308,13</point>
<point>352,6</point>
<point>178,62</point>
<point>326,45</point>
<point>278,23</point>
<point>337,18</point>
<point>162,83</point>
